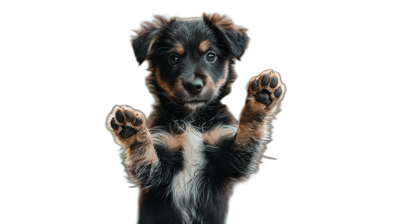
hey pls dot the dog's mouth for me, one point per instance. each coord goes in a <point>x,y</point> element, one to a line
<point>197,101</point>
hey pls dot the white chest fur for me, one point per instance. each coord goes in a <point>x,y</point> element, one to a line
<point>185,186</point>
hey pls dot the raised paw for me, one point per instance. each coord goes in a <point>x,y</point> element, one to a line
<point>266,88</point>
<point>127,125</point>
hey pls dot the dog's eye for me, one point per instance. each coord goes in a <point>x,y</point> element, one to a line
<point>173,59</point>
<point>211,57</point>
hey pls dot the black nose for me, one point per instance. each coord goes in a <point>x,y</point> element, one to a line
<point>194,87</point>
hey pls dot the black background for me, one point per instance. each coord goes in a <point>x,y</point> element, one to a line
<point>295,41</point>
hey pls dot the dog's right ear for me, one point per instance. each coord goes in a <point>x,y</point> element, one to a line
<point>235,38</point>
<point>146,37</point>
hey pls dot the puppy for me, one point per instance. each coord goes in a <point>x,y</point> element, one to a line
<point>187,156</point>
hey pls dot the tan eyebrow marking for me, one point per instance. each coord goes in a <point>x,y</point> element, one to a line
<point>179,49</point>
<point>205,45</point>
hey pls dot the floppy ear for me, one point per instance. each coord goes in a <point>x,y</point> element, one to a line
<point>145,38</point>
<point>235,38</point>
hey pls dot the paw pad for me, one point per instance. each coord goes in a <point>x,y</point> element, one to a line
<point>278,92</point>
<point>138,121</point>
<point>266,87</point>
<point>263,97</point>
<point>120,117</point>
<point>265,80</point>
<point>114,125</point>
<point>274,82</point>
<point>259,118</point>
<point>127,132</point>
<point>125,121</point>
<point>128,115</point>
<point>254,85</point>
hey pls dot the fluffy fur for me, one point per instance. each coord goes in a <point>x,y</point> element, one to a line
<point>187,156</point>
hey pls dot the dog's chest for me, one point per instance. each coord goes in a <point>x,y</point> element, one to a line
<point>185,185</point>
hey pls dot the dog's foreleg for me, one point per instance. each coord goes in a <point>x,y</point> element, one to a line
<point>141,159</point>
<point>265,92</point>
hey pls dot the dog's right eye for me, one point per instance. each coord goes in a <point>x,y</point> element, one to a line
<point>211,57</point>
<point>173,59</point>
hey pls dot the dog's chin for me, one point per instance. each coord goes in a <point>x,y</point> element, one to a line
<point>195,105</point>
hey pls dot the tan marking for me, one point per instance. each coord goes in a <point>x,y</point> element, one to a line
<point>162,83</point>
<point>145,154</point>
<point>211,137</point>
<point>248,128</point>
<point>204,46</point>
<point>209,82</point>
<point>175,142</point>
<point>178,48</point>
<point>178,85</point>
<point>172,141</point>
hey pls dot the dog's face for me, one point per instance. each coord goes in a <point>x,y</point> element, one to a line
<point>190,58</point>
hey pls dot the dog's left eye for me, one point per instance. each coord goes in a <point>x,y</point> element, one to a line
<point>211,57</point>
<point>173,59</point>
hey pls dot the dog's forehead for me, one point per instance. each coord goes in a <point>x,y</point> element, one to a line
<point>190,34</point>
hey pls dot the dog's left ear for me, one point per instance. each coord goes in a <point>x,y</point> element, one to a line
<point>146,37</point>
<point>235,38</point>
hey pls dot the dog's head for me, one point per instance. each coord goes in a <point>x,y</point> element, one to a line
<point>191,59</point>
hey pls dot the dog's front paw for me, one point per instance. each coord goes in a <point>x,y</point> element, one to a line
<point>127,125</point>
<point>266,90</point>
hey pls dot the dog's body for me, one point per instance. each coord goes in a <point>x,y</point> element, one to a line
<point>191,151</point>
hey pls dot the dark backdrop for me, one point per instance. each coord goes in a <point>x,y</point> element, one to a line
<point>292,40</point>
